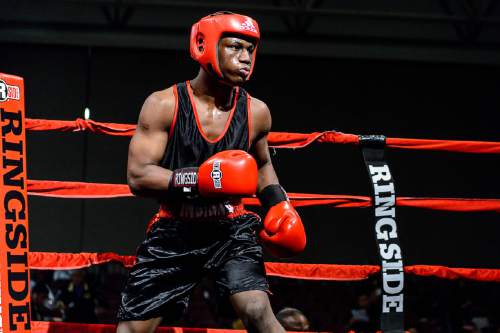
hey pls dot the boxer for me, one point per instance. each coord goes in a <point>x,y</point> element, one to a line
<point>200,146</point>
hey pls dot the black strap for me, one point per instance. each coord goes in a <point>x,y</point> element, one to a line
<point>183,183</point>
<point>386,231</point>
<point>271,195</point>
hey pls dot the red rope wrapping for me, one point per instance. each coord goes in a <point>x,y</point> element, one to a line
<point>79,125</point>
<point>321,271</point>
<point>478,147</point>
<point>277,139</point>
<point>61,189</point>
<point>59,327</point>
<point>54,261</point>
<point>478,274</point>
<point>300,140</point>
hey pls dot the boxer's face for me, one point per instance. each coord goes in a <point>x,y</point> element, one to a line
<point>296,322</point>
<point>235,59</point>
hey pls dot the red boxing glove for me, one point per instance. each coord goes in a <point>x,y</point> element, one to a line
<point>228,173</point>
<point>283,234</point>
<point>225,174</point>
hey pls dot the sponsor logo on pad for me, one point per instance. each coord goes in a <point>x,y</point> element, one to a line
<point>8,92</point>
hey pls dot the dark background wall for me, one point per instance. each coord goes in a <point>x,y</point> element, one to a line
<point>361,96</point>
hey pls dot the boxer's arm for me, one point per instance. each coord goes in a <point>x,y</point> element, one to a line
<point>261,126</point>
<point>283,233</point>
<point>144,175</point>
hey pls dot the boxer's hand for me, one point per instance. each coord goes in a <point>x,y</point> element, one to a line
<point>228,173</point>
<point>225,174</point>
<point>283,234</point>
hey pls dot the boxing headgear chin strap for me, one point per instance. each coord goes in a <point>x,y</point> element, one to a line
<point>207,32</point>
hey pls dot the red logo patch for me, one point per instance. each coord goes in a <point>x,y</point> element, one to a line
<point>8,92</point>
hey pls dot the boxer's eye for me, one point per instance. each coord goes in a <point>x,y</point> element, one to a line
<point>236,46</point>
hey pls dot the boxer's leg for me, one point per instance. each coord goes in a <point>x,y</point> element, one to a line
<point>243,277</point>
<point>255,311</point>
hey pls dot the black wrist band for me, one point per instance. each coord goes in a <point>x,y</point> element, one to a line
<point>272,195</point>
<point>183,182</point>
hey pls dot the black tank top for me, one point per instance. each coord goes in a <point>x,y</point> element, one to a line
<point>187,144</point>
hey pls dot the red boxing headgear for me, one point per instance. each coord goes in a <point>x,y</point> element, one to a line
<point>207,32</point>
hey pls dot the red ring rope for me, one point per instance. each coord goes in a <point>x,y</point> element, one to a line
<point>81,190</point>
<point>277,139</point>
<point>55,261</point>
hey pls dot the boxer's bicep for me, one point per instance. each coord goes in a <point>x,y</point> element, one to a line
<point>260,148</point>
<point>146,148</point>
<point>267,175</point>
<point>149,142</point>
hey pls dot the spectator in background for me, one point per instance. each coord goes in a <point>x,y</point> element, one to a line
<point>40,305</point>
<point>469,328</point>
<point>361,315</point>
<point>293,320</point>
<point>79,299</point>
<point>237,324</point>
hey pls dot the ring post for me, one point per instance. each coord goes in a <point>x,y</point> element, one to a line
<point>14,242</point>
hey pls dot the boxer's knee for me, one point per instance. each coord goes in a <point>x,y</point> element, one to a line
<point>255,310</point>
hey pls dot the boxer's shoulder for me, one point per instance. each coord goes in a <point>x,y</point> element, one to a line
<point>261,115</point>
<point>258,106</point>
<point>159,108</point>
<point>162,100</point>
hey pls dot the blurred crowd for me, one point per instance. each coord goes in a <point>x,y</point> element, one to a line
<point>431,305</point>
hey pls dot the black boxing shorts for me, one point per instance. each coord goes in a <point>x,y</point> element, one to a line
<point>177,254</point>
